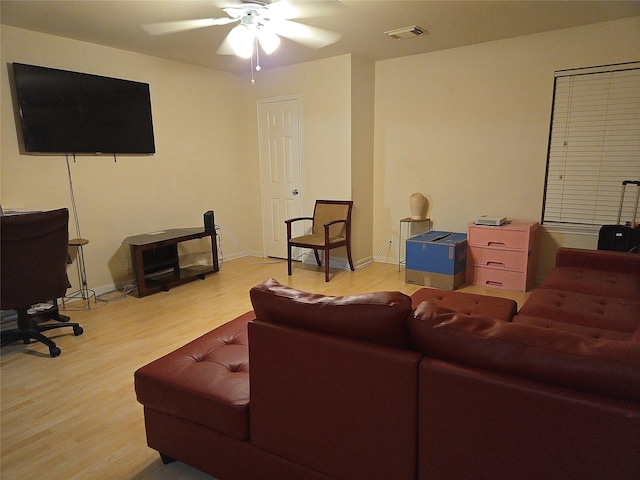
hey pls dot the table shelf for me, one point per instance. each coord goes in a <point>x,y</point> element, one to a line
<point>409,221</point>
<point>155,259</point>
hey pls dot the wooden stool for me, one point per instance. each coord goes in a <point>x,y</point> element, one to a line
<point>84,292</point>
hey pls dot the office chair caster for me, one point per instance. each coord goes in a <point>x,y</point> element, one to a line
<point>54,351</point>
<point>77,330</point>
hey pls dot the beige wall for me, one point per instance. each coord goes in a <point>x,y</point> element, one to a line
<point>198,164</point>
<point>323,88</point>
<point>468,127</point>
<point>337,114</point>
<point>362,144</point>
<point>206,157</point>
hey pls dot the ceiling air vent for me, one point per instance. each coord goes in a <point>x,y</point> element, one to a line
<point>406,32</point>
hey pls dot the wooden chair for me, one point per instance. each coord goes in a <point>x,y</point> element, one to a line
<point>34,250</point>
<point>331,228</point>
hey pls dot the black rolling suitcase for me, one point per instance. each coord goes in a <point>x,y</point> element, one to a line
<point>622,238</point>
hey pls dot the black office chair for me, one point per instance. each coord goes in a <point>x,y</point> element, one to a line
<point>33,256</point>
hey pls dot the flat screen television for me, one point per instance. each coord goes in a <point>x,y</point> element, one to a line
<point>71,112</point>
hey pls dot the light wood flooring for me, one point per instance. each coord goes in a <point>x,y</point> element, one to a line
<point>76,416</point>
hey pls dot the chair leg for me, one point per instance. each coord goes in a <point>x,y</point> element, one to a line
<point>326,265</point>
<point>29,329</point>
<point>349,256</point>
<point>289,259</point>
<point>27,335</point>
<point>9,336</point>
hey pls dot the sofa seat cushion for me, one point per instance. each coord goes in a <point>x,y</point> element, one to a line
<point>467,303</point>
<point>593,315</point>
<point>594,282</point>
<point>594,332</point>
<point>206,381</point>
<point>379,317</point>
<point>596,365</point>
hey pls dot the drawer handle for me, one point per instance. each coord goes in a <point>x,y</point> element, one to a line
<point>500,264</point>
<point>496,244</point>
<point>493,282</point>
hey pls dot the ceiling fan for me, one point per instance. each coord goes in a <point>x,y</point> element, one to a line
<point>261,24</point>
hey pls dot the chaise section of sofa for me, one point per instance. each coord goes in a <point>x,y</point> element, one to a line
<point>196,400</point>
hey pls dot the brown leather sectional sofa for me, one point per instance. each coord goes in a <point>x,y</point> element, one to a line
<point>442,385</point>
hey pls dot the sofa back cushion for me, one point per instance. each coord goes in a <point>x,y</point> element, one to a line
<point>605,260</point>
<point>379,317</point>
<point>598,365</point>
<point>596,272</point>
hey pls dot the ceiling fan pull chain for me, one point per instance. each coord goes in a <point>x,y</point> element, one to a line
<point>252,79</point>
<point>258,67</point>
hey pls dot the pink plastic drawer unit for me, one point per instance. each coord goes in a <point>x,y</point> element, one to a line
<point>509,239</point>
<point>498,258</point>
<point>497,278</point>
<point>502,257</point>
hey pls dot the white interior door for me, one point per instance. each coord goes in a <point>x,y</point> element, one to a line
<point>280,170</point>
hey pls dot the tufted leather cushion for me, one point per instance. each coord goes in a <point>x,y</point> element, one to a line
<point>467,303</point>
<point>607,367</point>
<point>373,317</point>
<point>596,272</point>
<point>599,260</point>
<point>593,315</point>
<point>594,282</point>
<point>206,381</point>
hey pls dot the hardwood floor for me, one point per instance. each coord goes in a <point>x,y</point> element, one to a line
<point>76,416</point>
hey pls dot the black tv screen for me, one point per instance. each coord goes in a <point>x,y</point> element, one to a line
<point>71,112</point>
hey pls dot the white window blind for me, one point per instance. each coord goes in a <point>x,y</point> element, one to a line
<point>594,145</point>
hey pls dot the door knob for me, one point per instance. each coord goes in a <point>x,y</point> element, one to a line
<point>295,191</point>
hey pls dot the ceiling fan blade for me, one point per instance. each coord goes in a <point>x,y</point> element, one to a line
<point>307,35</point>
<point>225,47</point>
<point>284,9</point>
<point>164,28</point>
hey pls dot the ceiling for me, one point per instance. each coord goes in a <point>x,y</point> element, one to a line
<point>362,23</point>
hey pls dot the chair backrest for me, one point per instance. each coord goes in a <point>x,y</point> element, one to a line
<point>328,210</point>
<point>33,257</point>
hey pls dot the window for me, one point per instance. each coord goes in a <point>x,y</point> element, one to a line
<point>594,145</point>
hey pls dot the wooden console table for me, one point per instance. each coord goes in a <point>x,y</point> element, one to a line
<point>155,259</point>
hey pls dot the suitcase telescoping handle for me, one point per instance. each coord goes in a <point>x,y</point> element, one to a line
<point>635,210</point>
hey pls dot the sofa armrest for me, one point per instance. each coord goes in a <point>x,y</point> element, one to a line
<point>598,260</point>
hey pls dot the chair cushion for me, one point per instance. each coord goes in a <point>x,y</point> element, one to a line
<point>373,317</point>
<point>598,365</point>
<point>206,381</point>
<point>467,303</point>
<point>315,239</point>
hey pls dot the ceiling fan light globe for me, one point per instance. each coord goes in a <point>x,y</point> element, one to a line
<point>241,40</point>
<point>269,41</point>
